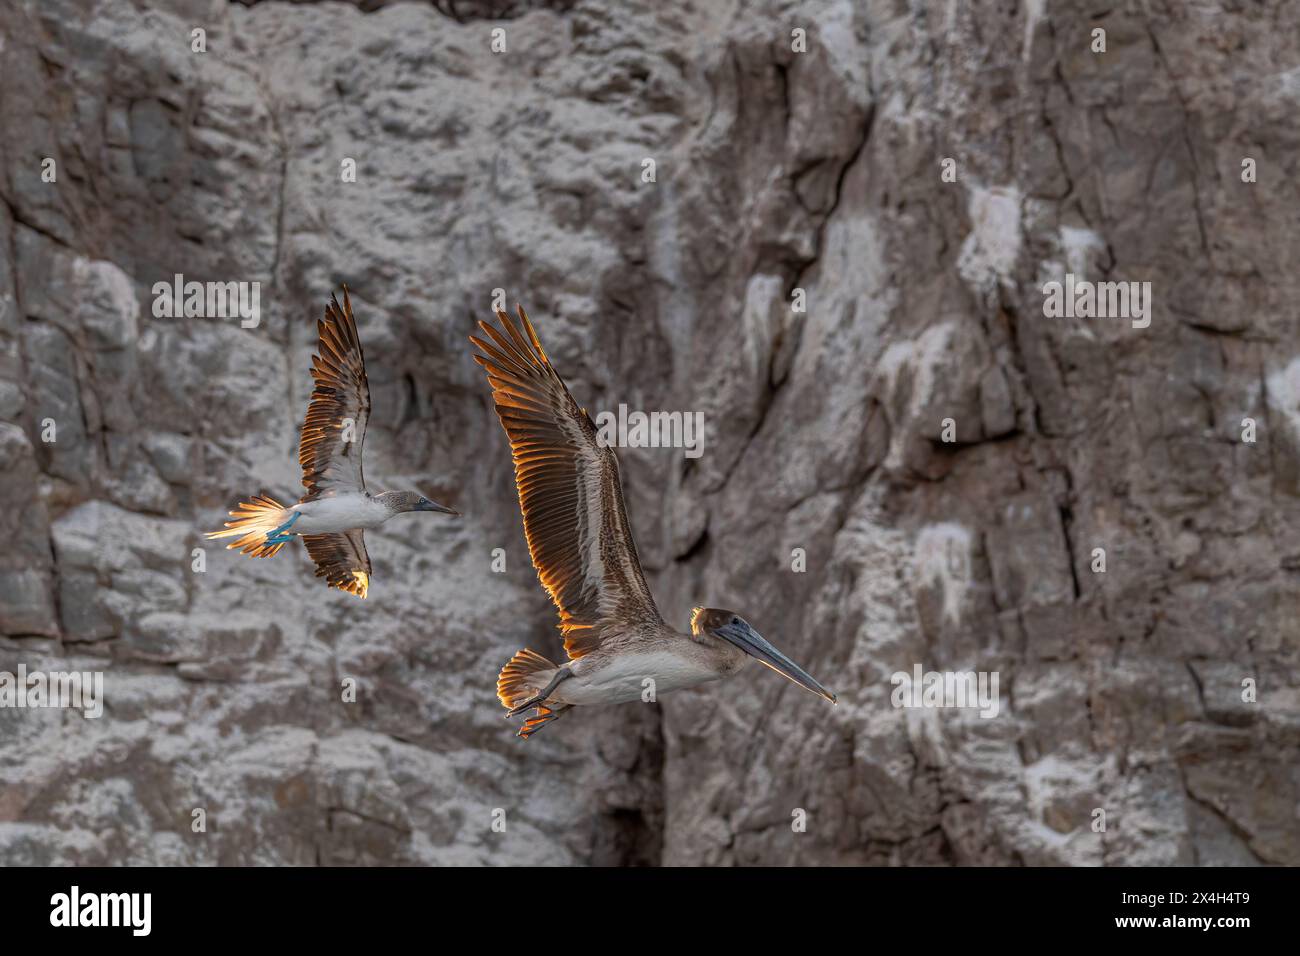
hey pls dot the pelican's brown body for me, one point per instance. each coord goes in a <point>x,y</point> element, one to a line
<point>638,662</point>
<point>571,496</point>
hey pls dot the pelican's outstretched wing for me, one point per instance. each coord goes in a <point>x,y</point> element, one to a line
<point>569,491</point>
<point>341,560</point>
<point>334,430</point>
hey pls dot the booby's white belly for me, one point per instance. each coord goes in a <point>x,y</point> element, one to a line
<point>630,675</point>
<point>338,513</point>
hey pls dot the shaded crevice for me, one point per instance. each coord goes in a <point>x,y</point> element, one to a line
<point>1187,143</point>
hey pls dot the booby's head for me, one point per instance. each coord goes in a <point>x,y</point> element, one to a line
<point>399,502</point>
<point>728,626</point>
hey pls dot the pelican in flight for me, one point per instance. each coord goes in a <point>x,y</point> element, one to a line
<point>331,518</point>
<point>581,545</point>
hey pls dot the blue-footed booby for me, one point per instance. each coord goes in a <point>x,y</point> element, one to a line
<point>581,544</point>
<point>332,516</point>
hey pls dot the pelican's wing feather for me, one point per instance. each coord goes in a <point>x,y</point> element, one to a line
<point>334,430</point>
<point>569,492</point>
<point>341,559</point>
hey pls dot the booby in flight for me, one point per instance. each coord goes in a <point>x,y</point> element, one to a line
<point>581,545</point>
<point>332,516</point>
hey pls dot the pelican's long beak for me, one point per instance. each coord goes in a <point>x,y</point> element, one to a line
<point>757,647</point>
<point>434,506</point>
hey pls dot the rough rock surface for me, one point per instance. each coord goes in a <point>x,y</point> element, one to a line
<point>775,171</point>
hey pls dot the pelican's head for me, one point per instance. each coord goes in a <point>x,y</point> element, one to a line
<point>402,501</point>
<point>735,630</point>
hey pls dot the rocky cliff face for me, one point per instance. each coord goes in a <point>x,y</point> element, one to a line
<point>840,261</point>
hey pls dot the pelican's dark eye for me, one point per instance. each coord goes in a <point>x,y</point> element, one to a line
<point>735,620</point>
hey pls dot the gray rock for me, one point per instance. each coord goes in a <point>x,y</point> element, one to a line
<point>780,177</point>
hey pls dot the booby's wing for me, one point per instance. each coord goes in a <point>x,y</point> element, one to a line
<point>334,430</point>
<point>341,560</point>
<point>569,491</point>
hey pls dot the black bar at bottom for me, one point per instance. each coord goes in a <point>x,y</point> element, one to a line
<point>817,905</point>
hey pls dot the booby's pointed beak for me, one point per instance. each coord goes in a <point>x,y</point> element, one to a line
<point>757,647</point>
<point>434,506</point>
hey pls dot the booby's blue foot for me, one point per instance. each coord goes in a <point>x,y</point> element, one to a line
<point>280,535</point>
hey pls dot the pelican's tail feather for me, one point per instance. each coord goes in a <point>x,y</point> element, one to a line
<point>255,522</point>
<point>520,680</point>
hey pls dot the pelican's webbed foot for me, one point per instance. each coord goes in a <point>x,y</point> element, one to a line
<point>535,723</point>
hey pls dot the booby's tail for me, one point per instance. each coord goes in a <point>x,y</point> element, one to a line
<point>255,522</point>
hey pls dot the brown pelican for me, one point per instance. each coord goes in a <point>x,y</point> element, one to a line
<point>618,646</point>
<point>332,516</point>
